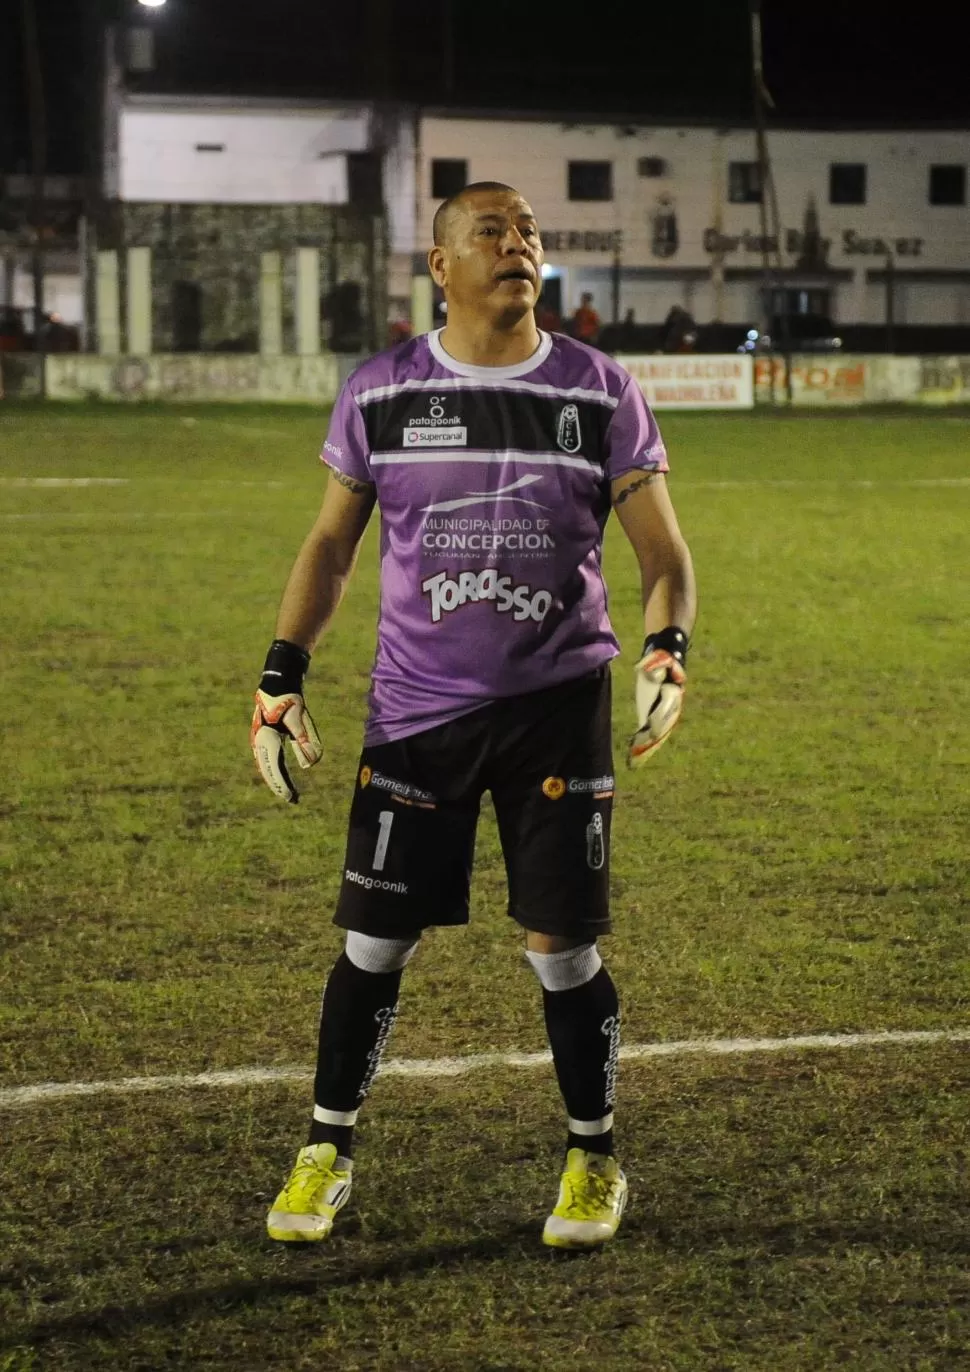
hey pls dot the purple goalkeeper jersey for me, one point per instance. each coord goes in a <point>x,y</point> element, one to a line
<point>493,485</point>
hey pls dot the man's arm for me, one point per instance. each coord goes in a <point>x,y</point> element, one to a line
<point>325,562</point>
<point>644,509</point>
<point>669,604</point>
<point>314,590</point>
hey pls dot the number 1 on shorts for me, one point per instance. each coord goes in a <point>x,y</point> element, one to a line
<point>385,819</point>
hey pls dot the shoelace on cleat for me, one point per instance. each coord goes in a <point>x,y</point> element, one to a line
<point>589,1195</point>
<point>306,1183</point>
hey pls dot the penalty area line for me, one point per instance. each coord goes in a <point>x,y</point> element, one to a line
<point>14,1097</point>
<point>856,483</point>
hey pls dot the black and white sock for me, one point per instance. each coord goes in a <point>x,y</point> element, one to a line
<point>358,1014</point>
<point>583,1023</point>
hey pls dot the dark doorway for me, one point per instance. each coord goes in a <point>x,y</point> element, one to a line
<point>186,317</point>
<point>342,308</point>
<point>364,181</point>
<point>551,298</point>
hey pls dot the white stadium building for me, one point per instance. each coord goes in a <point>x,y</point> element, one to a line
<point>643,215</point>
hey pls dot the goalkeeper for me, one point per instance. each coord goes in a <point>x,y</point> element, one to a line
<point>494,452</point>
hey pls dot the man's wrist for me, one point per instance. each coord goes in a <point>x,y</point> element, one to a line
<point>672,640</point>
<point>284,669</point>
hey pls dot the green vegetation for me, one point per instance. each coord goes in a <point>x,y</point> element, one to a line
<point>793,862</point>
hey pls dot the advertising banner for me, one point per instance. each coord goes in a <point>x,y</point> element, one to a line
<point>689,382</point>
<point>823,379</point>
<point>875,379</point>
<point>943,380</point>
<point>193,376</point>
<point>693,381</point>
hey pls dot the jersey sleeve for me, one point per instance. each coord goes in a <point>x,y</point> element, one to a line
<point>633,440</point>
<point>346,448</point>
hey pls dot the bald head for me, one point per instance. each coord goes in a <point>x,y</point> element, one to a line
<point>487,257</point>
<point>449,210</point>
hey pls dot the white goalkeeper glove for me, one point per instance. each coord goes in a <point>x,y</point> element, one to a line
<point>281,714</point>
<point>660,680</point>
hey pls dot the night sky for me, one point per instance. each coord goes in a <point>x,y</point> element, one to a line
<point>824,60</point>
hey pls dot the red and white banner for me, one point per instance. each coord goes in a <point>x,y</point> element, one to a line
<point>693,381</point>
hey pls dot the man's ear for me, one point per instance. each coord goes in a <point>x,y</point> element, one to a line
<point>436,265</point>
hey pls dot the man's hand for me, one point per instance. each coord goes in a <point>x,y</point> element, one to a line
<point>281,714</point>
<point>660,681</point>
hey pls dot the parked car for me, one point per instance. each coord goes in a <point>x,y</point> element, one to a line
<point>18,331</point>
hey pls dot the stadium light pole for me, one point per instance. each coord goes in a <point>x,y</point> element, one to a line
<point>762,97</point>
<point>448,39</point>
<point>761,145</point>
<point>37,116</point>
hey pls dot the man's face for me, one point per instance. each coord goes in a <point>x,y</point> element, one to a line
<point>491,261</point>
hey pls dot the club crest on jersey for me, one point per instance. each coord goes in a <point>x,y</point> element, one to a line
<point>567,435</point>
<point>435,429</point>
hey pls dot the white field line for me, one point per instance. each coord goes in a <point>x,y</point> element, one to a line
<point>856,483</point>
<point>42,481</point>
<point>63,481</point>
<point>14,1097</point>
<point>247,430</point>
<point>863,483</point>
<point>52,517</point>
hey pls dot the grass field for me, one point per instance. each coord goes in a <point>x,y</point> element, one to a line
<point>793,863</point>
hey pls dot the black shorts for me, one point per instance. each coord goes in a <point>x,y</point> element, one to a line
<point>547,759</point>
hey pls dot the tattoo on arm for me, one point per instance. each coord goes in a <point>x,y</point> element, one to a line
<point>647,479</point>
<point>342,479</point>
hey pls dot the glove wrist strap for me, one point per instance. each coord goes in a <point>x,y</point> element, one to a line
<point>284,669</point>
<point>672,640</point>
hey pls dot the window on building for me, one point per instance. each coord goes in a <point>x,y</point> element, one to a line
<point>847,183</point>
<point>813,302</point>
<point>590,181</point>
<point>651,166</point>
<point>744,183</point>
<point>449,175</point>
<point>948,185</point>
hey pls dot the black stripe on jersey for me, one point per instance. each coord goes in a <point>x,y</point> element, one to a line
<point>495,420</point>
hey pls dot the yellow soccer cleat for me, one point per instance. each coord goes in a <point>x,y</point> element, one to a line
<point>304,1210</point>
<point>592,1194</point>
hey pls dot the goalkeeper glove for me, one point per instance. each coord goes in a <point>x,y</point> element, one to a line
<point>660,679</point>
<point>281,714</point>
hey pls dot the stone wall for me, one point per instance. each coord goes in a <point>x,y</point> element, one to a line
<point>205,270</point>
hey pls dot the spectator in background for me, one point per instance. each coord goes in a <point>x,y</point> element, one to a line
<point>679,331</point>
<point>585,323</point>
<point>627,334</point>
<point>547,318</point>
